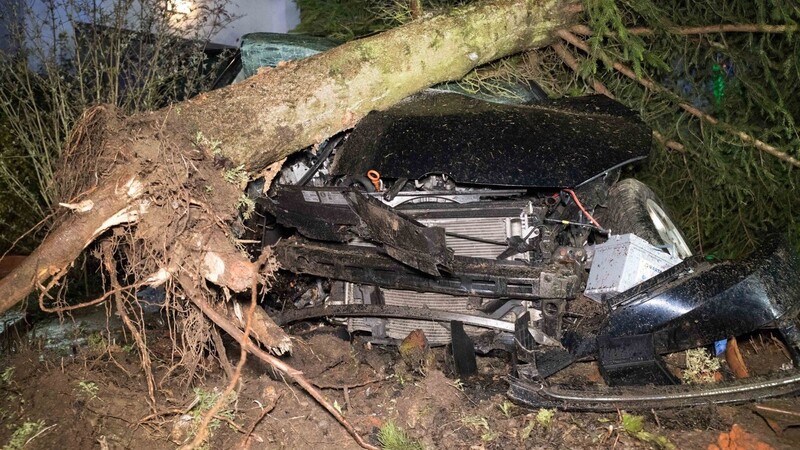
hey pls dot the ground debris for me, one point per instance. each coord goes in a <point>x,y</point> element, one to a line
<point>738,439</point>
<point>416,353</point>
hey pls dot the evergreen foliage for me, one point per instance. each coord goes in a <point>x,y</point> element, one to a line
<point>726,193</point>
<point>344,20</point>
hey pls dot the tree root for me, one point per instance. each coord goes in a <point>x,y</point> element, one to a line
<point>202,431</point>
<point>293,374</point>
<point>112,204</point>
<point>139,337</point>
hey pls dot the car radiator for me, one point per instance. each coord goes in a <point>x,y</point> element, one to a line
<point>496,229</point>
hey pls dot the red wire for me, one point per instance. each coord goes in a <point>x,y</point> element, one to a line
<point>580,205</point>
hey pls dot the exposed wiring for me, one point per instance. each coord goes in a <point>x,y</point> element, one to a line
<point>569,222</point>
<point>580,205</point>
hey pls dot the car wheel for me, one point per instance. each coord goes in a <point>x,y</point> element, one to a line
<point>632,207</point>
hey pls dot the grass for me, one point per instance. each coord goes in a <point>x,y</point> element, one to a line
<point>544,416</point>
<point>24,434</point>
<point>634,426</point>
<point>506,407</point>
<point>236,175</point>
<point>204,400</point>
<point>7,375</point>
<point>392,437</point>
<point>90,389</point>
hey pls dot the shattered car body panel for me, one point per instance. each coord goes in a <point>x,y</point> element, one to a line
<point>695,303</point>
<point>728,298</point>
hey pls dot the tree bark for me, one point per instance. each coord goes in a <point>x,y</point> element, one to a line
<point>278,111</point>
<point>261,120</point>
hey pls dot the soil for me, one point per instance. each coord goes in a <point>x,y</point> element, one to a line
<point>92,394</point>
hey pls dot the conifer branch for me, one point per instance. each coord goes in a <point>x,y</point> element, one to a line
<point>649,84</point>
<point>572,62</point>
<point>584,30</point>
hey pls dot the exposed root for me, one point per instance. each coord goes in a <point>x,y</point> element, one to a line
<point>222,355</point>
<point>58,251</point>
<point>264,329</point>
<point>137,332</point>
<point>293,374</point>
<point>202,431</point>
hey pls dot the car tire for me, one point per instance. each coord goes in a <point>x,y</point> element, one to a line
<point>632,207</point>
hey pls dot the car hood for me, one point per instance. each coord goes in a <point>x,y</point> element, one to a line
<point>554,143</point>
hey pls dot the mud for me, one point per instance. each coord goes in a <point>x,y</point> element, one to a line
<point>93,395</point>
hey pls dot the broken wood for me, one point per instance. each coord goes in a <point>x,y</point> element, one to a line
<point>734,358</point>
<point>293,374</point>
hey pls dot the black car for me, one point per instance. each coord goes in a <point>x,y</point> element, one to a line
<point>484,222</point>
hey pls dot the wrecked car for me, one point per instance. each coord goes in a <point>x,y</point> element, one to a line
<point>487,224</point>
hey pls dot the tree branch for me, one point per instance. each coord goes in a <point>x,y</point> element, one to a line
<point>293,374</point>
<point>113,204</point>
<point>297,104</point>
<point>649,84</point>
<point>584,30</point>
<point>572,62</point>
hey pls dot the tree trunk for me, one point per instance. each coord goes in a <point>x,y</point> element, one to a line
<point>177,156</point>
<point>278,111</point>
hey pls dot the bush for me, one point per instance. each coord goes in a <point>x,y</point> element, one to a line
<point>75,54</point>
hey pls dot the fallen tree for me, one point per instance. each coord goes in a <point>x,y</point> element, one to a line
<point>163,168</point>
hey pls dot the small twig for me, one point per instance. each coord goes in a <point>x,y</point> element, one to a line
<point>583,30</point>
<point>649,84</point>
<point>677,146</point>
<point>202,431</point>
<point>41,432</point>
<point>165,412</point>
<point>139,338</point>
<point>105,414</point>
<point>572,62</point>
<point>348,386</point>
<point>222,355</point>
<point>247,241</point>
<point>233,424</point>
<point>61,309</point>
<point>264,411</point>
<point>574,8</point>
